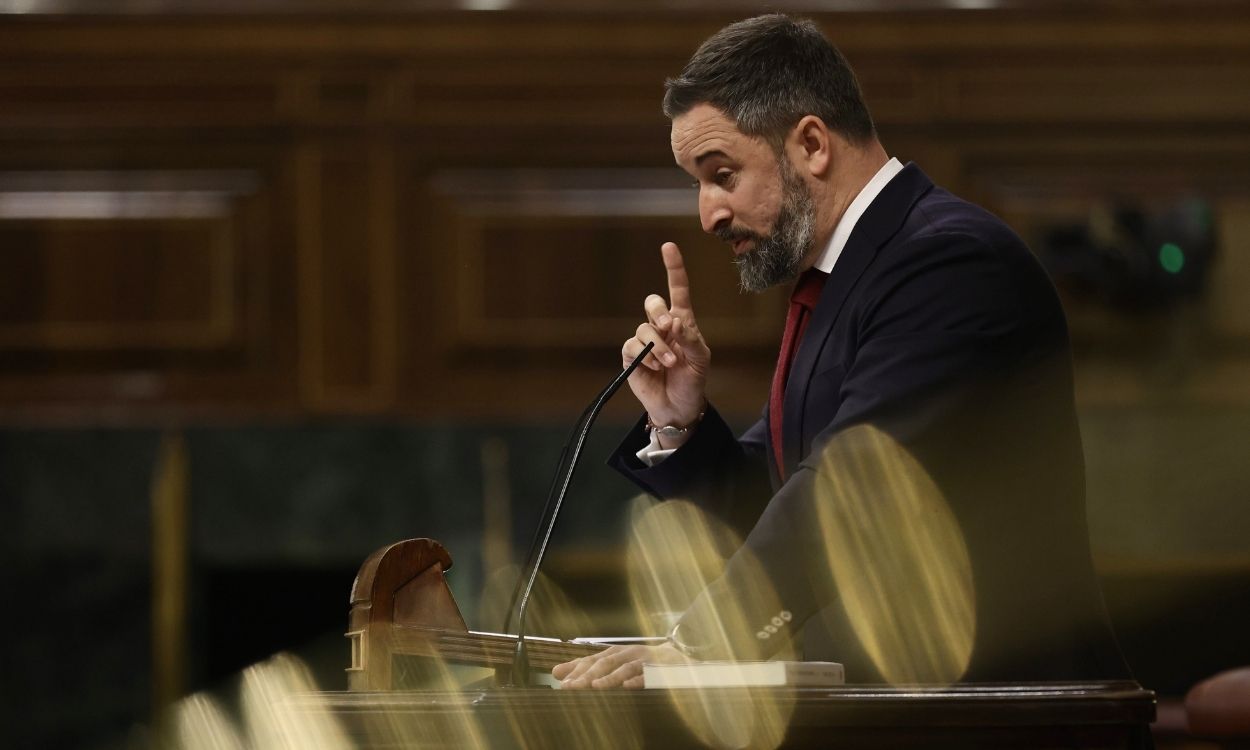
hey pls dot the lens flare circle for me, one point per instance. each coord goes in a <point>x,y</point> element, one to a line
<point>899,561</point>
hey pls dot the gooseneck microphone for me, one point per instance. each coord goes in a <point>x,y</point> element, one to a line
<point>581,428</point>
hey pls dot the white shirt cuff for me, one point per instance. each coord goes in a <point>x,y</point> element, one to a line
<point>652,454</point>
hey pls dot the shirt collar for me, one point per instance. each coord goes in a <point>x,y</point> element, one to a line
<point>842,231</point>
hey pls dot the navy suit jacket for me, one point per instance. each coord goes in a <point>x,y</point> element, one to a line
<point>938,327</point>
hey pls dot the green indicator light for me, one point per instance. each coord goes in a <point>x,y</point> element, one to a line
<point>1171,257</point>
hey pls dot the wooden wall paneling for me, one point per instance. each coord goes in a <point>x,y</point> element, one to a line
<point>138,275</point>
<point>1196,352</point>
<point>125,93</point>
<point>897,92</point>
<point>113,261</point>
<point>563,258</point>
<point>424,239</point>
<point>405,33</point>
<point>1162,90</point>
<point>384,241</point>
<point>266,372</point>
<point>544,270</point>
<point>317,104</point>
<point>1229,305</point>
<point>503,112</point>
<point>584,92</point>
<point>310,272</point>
<point>347,274</point>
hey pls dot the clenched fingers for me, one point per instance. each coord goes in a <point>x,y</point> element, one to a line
<point>658,313</point>
<point>661,356</point>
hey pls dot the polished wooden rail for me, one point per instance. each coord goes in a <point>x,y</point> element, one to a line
<point>1070,715</point>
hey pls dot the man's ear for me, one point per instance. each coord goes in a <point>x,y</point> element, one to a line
<point>811,146</point>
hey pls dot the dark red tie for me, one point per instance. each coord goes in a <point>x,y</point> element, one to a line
<point>802,302</point>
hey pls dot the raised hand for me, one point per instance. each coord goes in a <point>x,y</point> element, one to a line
<point>671,382</point>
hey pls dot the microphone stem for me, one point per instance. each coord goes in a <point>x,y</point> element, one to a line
<point>520,661</point>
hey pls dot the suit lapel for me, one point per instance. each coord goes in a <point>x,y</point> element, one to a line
<point>875,227</point>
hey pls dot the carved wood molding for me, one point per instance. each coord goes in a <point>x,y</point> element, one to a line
<point>109,260</point>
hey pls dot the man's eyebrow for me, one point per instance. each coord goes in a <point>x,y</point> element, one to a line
<point>698,160</point>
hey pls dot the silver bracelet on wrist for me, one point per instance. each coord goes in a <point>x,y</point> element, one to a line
<point>672,430</point>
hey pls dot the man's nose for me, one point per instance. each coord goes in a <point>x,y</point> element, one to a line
<point>714,212</point>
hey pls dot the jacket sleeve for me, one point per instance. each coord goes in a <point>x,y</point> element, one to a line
<point>725,476</point>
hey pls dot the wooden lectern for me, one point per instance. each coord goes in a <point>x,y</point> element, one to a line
<point>401,606</point>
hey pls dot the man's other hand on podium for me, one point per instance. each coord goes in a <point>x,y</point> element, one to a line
<point>617,666</point>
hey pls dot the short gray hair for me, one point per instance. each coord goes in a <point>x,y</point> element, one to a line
<point>767,73</point>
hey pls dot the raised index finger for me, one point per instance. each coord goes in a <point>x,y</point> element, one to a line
<point>678,281</point>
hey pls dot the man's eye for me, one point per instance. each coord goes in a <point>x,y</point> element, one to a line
<point>723,178</point>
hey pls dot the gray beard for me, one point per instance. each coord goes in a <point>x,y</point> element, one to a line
<point>778,256</point>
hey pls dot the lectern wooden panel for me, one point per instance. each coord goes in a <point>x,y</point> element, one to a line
<point>402,606</point>
<point>1104,716</point>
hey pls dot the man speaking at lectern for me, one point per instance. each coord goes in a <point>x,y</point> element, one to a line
<point>913,312</point>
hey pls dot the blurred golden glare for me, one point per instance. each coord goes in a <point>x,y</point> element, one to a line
<point>274,720</point>
<point>201,724</point>
<point>892,546</point>
<point>675,551</point>
<point>898,559</point>
<point>455,727</point>
<point>551,612</point>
